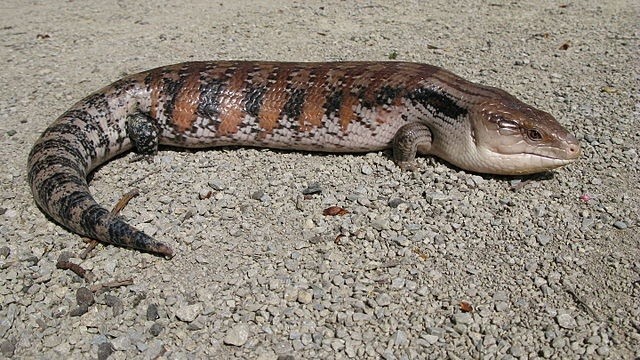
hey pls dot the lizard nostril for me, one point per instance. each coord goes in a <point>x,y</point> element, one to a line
<point>574,150</point>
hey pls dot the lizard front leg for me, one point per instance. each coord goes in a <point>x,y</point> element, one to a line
<point>408,140</point>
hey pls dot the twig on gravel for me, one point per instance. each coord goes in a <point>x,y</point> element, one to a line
<point>388,264</point>
<point>96,288</point>
<point>64,264</point>
<point>91,244</point>
<point>135,181</point>
<point>582,304</point>
<point>519,185</point>
<point>124,200</point>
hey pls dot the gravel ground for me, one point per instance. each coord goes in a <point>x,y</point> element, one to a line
<point>438,263</point>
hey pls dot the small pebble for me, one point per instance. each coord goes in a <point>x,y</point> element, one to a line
<point>400,338</point>
<point>10,213</point>
<point>395,202</point>
<point>79,311</point>
<point>516,350</point>
<point>558,342</point>
<point>312,189</point>
<point>156,329</point>
<point>152,312</point>
<point>501,306</point>
<point>361,317</point>
<point>7,348</point>
<point>260,196</point>
<point>155,350</point>
<point>397,283</point>
<point>383,299</point>
<point>431,339</point>
<point>237,336</point>
<point>188,313</point>
<point>603,351</point>
<point>594,340</point>
<point>84,297</point>
<point>566,321</point>
<point>204,194</point>
<point>121,343</point>
<point>5,251</point>
<point>114,303</point>
<point>367,170</point>
<point>543,239</point>
<point>547,351</point>
<point>463,318</point>
<point>105,349</point>
<point>620,225</point>
<point>215,185</point>
<point>305,297</point>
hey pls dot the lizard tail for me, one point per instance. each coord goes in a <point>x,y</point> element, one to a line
<point>58,166</point>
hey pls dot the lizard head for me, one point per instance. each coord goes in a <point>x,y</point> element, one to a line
<point>514,138</point>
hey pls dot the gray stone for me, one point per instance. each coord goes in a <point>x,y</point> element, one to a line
<point>156,329</point>
<point>400,338</point>
<point>566,321</point>
<point>121,343</point>
<point>155,350</point>
<point>105,350</point>
<point>6,321</point>
<point>312,189</point>
<point>78,311</point>
<point>397,283</point>
<point>152,312</point>
<point>547,352</point>
<point>188,313</point>
<point>215,185</point>
<point>543,239</point>
<point>7,348</point>
<point>462,318</point>
<point>237,335</point>
<point>594,340</point>
<point>114,303</point>
<point>430,339</point>
<point>620,225</point>
<point>361,317</point>
<point>5,251</point>
<point>383,299</point>
<point>258,195</point>
<point>395,202</point>
<point>558,342</point>
<point>84,297</point>
<point>305,296</point>
<point>603,350</point>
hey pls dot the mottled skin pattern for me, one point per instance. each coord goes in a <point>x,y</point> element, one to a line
<point>336,107</point>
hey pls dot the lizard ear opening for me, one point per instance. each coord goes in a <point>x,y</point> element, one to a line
<point>506,124</point>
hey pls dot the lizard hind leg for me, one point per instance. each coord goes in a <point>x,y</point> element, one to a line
<point>143,132</point>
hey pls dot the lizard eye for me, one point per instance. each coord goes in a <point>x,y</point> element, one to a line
<point>534,135</point>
